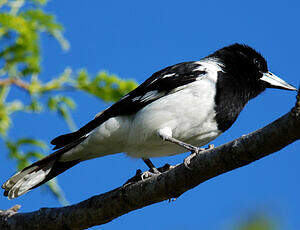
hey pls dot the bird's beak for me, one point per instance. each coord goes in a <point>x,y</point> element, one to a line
<point>275,82</point>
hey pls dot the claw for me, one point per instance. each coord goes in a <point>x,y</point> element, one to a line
<point>143,176</point>
<point>187,160</point>
<point>196,151</point>
<point>148,174</point>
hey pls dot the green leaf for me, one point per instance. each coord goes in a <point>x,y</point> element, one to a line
<point>46,22</point>
<point>57,191</point>
<point>34,154</point>
<point>40,2</point>
<point>14,106</point>
<point>109,88</point>
<point>57,101</point>
<point>62,105</point>
<point>258,222</point>
<point>5,120</point>
<point>30,141</point>
<point>57,83</point>
<point>34,106</point>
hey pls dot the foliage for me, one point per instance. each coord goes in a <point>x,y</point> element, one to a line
<point>22,23</point>
<point>258,222</point>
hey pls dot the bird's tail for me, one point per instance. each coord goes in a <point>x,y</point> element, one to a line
<point>37,174</point>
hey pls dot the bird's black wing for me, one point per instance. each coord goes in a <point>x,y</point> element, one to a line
<point>155,87</point>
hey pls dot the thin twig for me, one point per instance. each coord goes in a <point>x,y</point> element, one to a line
<point>14,81</point>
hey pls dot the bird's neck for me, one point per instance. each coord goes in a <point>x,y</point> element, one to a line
<point>231,97</point>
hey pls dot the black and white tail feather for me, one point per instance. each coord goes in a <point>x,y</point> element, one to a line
<point>38,173</point>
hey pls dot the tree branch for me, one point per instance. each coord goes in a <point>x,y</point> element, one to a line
<point>14,81</point>
<point>103,208</point>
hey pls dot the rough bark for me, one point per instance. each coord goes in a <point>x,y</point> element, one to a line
<point>103,208</point>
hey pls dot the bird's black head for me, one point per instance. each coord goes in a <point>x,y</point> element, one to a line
<point>248,69</point>
<point>244,75</point>
<point>242,61</point>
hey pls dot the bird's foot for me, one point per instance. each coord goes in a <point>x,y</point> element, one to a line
<point>143,176</point>
<point>156,171</point>
<point>148,174</point>
<point>194,153</point>
<point>187,160</point>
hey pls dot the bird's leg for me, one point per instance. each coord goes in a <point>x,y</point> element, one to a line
<point>194,150</point>
<point>151,166</point>
<point>188,147</point>
<point>153,170</point>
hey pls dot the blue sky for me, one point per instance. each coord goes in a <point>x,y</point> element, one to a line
<point>133,39</point>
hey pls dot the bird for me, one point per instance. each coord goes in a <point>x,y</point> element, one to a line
<point>176,110</point>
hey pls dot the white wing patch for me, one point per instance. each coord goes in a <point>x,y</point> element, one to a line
<point>169,75</point>
<point>151,95</point>
<point>127,95</point>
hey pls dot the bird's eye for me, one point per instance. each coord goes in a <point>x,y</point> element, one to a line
<point>257,63</point>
